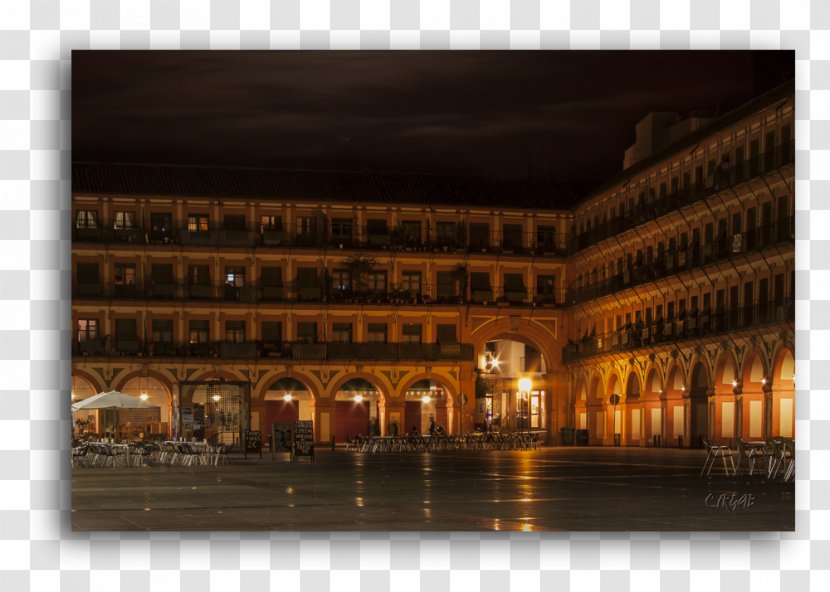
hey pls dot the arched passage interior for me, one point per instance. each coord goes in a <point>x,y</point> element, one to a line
<point>506,400</point>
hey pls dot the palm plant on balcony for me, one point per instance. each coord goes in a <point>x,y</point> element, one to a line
<point>359,267</point>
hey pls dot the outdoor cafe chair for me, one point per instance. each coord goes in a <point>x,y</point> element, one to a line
<point>750,452</point>
<point>782,457</point>
<point>713,452</point>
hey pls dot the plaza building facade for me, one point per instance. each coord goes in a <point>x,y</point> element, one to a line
<point>232,299</point>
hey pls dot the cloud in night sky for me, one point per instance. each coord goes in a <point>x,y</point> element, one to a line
<point>570,114</point>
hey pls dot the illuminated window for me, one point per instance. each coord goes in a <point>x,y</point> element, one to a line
<point>124,220</point>
<point>270,223</point>
<point>86,219</point>
<point>197,223</point>
<point>87,329</point>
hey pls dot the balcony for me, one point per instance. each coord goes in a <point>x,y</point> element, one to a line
<point>291,292</point>
<point>492,243</point>
<point>284,350</point>
<point>693,325</point>
<point>724,178</point>
<point>721,249</point>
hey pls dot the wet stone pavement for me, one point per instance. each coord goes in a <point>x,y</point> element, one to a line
<point>600,489</point>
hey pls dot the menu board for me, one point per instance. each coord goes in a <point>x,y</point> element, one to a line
<point>303,439</point>
<point>281,437</point>
<point>253,442</point>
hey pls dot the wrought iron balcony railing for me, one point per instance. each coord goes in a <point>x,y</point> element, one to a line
<point>693,325</point>
<point>720,249</point>
<point>251,350</point>
<point>725,177</point>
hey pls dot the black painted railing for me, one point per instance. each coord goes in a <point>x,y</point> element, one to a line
<point>693,325</point>
<point>720,249</point>
<point>248,350</point>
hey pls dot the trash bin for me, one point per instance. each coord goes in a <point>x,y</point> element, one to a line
<point>566,436</point>
<point>582,437</point>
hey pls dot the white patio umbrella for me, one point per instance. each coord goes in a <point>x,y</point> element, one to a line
<point>112,400</point>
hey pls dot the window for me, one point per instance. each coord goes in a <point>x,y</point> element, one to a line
<point>86,219</point>
<point>162,330</point>
<point>341,228</point>
<point>197,223</point>
<point>546,238</point>
<point>307,276</point>
<point>479,234</point>
<point>270,222</point>
<point>161,226</point>
<point>341,332</point>
<point>446,285</point>
<point>235,276</point>
<point>88,329</point>
<point>271,276</point>
<point>375,226</point>
<point>125,330</point>
<point>445,232</point>
<point>234,222</point>
<point>546,288</point>
<point>376,281</point>
<point>161,273</point>
<point>198,275</point>
<point>411,333</point>
<point>512,236</point>
<point>124,274</point>
<point>412,282</point>
<point>514,287</point>
<point>411,231</point>
<point>446,334</point>
<point>272,331</point>
<point>307,332</point>
<point>124,220</point>
<point>87,273</point>
<point>377,231</point>
<point>377,333</point>
<point>307,226</point>
<point>199,331</point>
<point>340,279</point>
<point>235,331</point>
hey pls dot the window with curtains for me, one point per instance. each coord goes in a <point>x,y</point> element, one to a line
<point>124,220</point>
<point>87,329</point>
<point>377,333</point>
<point>198,223</point>
<point>162,330</point>
<point>412,333</point>
<point>86,219</point>
<point>235,331</point>
<point>199,331</point>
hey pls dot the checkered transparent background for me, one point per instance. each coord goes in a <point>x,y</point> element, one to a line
<point>37,548</point>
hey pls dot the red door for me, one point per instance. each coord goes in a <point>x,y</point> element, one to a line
<point>350,419</point>
<point>279,412</point>
<point>412,417</point>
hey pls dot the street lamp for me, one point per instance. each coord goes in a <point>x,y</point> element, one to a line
<point>525,386</point>
<point>614,399</point>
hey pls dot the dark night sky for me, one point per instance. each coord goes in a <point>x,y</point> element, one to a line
<point>572,114</point>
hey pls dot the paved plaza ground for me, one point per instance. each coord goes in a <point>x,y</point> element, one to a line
<point>546,489</point>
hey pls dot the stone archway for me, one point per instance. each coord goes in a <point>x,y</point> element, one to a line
<point>757,405</point>
<point>155,389</point>
<point>783,393</point>
<point>85,423</point>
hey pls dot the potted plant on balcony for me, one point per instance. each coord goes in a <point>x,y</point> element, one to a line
<point>359,266</point>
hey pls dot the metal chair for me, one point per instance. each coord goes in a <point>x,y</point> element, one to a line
<point>713,452</point>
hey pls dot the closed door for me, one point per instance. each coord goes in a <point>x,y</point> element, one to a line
<point>351,419</point>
